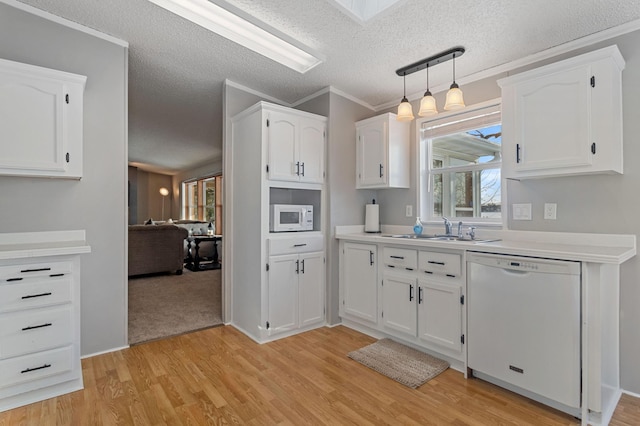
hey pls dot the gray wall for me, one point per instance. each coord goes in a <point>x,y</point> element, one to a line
<point>97,203</point>
<point>593,204</point>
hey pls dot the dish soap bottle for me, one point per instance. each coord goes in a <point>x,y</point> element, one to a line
<point>417,228</point>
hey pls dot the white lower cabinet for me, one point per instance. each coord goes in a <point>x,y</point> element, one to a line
<point>420,298</point>
<point>359,283</point>
<point>39,317</point>
<point>295,285</point>
<point>399,312</point>
<point>440,314</point>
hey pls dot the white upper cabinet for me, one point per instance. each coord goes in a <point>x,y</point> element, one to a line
<point>296,147</point>
<point>382,153</point>
<point>564,118</point>
<point>40,121</point>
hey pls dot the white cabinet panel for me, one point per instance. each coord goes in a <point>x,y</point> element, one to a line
<point>311,289</point>
<point>564,118</point>
<point>398,303</point>
<point>282,135</point>
<point>296,147</point>
<point>40,121</point>
<point>283,293</point>
<point>382,153</point>
<point>440,314</point>
<point>359,282</point>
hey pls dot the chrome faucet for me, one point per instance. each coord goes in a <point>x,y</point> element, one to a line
<point>447,226</point>
<point>460,229</point>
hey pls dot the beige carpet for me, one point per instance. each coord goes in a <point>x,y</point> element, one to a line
<point>167,305</point>
<point>399,362</point>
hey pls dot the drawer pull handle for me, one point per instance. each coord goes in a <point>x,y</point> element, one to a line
<point>397,257</point>
<point>35,270</point>
<point>299,245</point>
<point>31,296</point>
<point>433,262</point>
<point>37,326</point>
<point>391,266</point>
<point>428,272</point>
<point>451,275</point>
<point>14,279</point>
<point>56,275</point>
<point>409,269</point>
<point>28,370</point>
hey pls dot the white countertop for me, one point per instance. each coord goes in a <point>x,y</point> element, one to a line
<point>20,245</point>
<point>597,248</point>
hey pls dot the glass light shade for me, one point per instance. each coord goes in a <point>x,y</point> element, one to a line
<point>164,192</point>
<point>454,98</point>
<point>405,112</point>
<point>428,105</point>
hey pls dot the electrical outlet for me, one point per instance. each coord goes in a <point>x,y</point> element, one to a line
<point>408,210</point>
<point>550,210</point>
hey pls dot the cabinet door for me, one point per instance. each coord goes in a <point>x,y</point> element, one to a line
<point>554,134</point>
<point>399,303</point>
<point>283,293</point>
<point>32,123</point>
<point>371,154</point>
<point>359,282</point>
<point>311,288</point>
<point>282,135</point>
<point>311,158</point>
<point>440,314</point>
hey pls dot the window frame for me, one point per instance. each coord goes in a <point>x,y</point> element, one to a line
<point>425,156</point>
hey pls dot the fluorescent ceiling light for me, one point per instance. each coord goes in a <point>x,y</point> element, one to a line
<point>240,27</point>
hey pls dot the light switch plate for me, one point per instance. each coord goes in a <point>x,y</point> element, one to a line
<point>521,211</point>
<point>408,211</point>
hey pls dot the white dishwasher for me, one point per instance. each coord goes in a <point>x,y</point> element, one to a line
<point>523,325</point>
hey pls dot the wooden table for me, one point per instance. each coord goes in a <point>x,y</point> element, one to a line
<point>196,263</point>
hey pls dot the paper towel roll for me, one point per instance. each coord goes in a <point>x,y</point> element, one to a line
<point>372,218</point>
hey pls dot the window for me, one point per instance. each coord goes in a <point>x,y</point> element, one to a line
<point>460,165</point>
<point>202,200</point>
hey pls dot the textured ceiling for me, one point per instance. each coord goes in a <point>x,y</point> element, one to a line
<point>177,69</point>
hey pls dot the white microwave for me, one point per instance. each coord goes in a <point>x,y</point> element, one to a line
<point>290,217</point>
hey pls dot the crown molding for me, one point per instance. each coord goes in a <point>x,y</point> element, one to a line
<point>331,89</point>
<point>561,49</point>
<point>62,21</point>
<point>264,96</point>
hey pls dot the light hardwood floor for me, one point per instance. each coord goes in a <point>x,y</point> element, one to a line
<point>219,376</point>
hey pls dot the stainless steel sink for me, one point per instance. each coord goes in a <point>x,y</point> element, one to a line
<point>440,238</point>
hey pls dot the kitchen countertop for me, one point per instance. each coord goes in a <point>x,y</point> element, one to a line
<point>597,248</point>
<point>20,245</point>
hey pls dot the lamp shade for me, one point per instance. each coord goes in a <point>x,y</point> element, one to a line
<point>428,105</point>
<point>405,111</point>
<point>454,98</point>
<point>164,192</point>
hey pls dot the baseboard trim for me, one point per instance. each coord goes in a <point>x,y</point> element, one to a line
<point>104,352</point>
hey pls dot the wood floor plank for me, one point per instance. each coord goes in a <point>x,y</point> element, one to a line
<point>219,376</point>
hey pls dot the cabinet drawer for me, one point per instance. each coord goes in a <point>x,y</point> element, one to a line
<point>32,367</point>
<point>440,263</point>
<point>400,259</point>
<point>279,246</point>
<point>35,330</point>
<point>35,293</point>
<point>33,270</point>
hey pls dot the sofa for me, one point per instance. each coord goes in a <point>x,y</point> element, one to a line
<point>156,248</point>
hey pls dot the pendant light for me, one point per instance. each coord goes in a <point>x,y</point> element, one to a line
<point>454,95</point>
<point>405,111</point>
<point>428,102</point>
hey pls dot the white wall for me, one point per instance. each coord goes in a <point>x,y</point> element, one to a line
<point>97,203</point>
<point>597,204</point>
